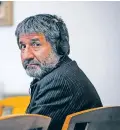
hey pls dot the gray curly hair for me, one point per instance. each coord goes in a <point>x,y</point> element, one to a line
<point>51,26</point>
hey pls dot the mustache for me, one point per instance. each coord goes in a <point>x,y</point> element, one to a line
<point>30,61</point>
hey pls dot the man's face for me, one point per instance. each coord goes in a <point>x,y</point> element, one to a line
<point>37,54</point>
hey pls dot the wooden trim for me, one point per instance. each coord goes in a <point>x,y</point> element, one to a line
<point>22,115</point>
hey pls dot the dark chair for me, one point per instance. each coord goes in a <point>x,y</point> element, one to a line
<point>103,118</point>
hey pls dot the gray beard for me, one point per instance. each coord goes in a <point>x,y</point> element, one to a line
<point>44,67</point>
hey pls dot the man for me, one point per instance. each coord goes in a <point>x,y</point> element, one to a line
<point>59,86</point>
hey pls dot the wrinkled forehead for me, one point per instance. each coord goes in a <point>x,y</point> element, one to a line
<point>29,36</point>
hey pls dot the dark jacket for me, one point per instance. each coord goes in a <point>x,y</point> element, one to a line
<point>63,91</point>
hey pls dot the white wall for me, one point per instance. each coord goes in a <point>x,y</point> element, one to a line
<point>94,29</point>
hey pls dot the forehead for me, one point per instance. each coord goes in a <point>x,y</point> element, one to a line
<point>30,36</point>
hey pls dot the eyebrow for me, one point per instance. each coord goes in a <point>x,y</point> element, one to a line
<point>20,42</point>
<point>34,39</point>
<point>31,41</point>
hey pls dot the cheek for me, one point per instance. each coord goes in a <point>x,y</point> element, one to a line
<point>43,53</point>
<point>22,59</point>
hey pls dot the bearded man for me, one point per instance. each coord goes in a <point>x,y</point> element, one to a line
<point>59,86</point>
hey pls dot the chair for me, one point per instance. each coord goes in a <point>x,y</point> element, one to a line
<point>24,122</point>
<point>102,118</point>
<point>17,104</point>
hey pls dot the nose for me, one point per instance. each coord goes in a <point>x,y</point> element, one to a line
<point>27,54</point>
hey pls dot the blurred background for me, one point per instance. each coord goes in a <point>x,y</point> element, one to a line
<point>94,29</point>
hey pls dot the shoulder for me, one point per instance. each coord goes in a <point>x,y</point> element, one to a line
<point>58,78</point>
<point>67,75</point>
<point>63,72</point>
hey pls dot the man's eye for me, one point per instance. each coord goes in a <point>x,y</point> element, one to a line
<point>35,44</point>
<point>22,46</point>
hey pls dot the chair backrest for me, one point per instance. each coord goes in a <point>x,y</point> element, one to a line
<point>24,122</point>
<point>16,104</point>
<point>103,118</point>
